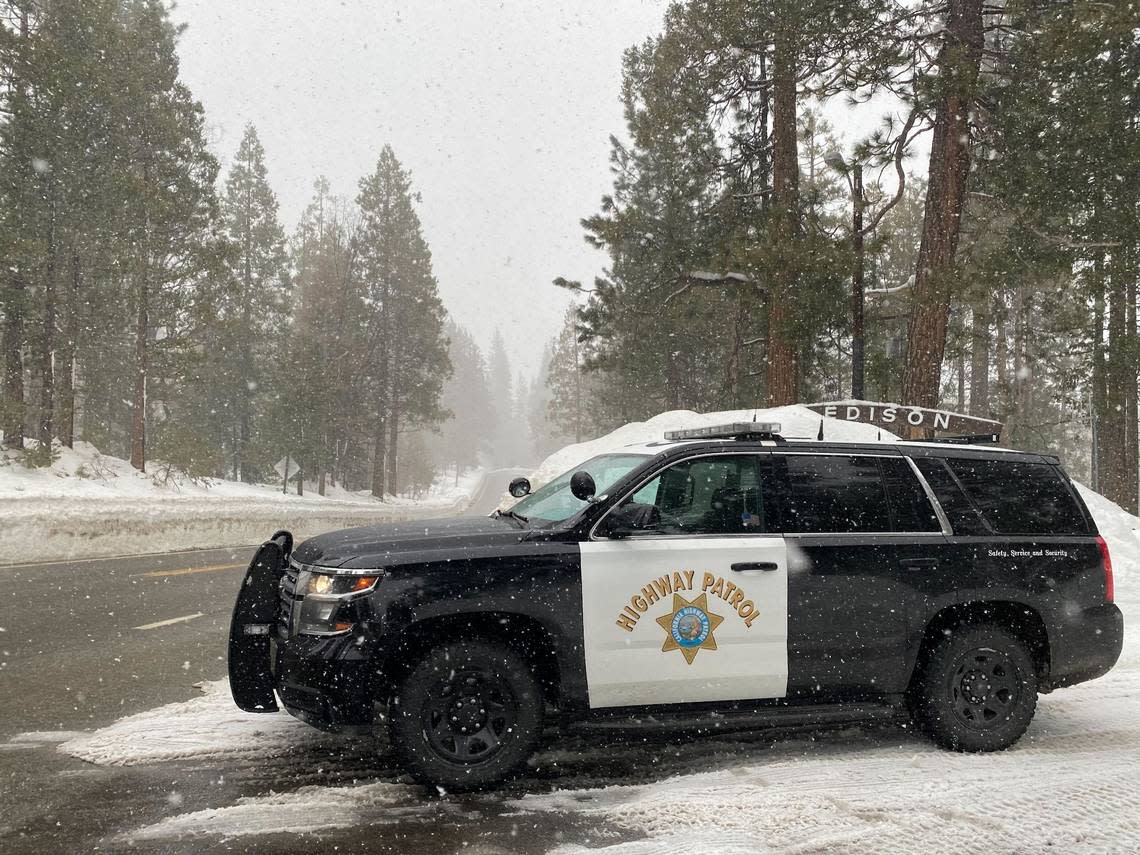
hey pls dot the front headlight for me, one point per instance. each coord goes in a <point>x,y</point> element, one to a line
<point>324,601</point>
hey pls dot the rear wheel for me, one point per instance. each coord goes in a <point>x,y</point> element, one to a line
<point>468,716</point>
<point>977,690</point>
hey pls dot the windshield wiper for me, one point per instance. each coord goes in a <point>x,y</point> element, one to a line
<point>512,514</point>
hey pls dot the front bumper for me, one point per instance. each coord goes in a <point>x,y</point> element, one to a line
<point>1085,648</point>
<point>325,682</point>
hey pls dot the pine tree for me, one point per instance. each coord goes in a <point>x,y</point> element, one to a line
<point>253,322</point>
<point>407,362</point>
<point>169,175</point>
<point>956,86</point>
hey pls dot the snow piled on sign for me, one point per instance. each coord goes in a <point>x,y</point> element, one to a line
<point>90,505</point>
<point>795,422</point>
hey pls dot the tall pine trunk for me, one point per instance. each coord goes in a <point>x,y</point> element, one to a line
<point>858,288</point>
<point>47,338</point>
<point>1098,404</point>
<point>980,360</point>
<point>958,65</point>
<point>379,457</point>
<point>13,341</point>
<point>393,437</point>
<point>785,197</point>
<point>65,362</point>
<point>142,355</point>
<point>1131,491</point>
<point>1113,428</point>
<point>245,391</point>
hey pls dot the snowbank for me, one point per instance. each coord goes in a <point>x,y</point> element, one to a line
<point>205,727</point>
<point>794,421</point>
<point>88,505</point>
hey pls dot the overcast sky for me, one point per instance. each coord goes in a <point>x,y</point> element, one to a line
<point>501,111</point>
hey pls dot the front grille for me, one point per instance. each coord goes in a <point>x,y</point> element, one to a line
<point>287,599</point>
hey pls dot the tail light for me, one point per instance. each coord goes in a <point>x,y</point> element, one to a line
<point>1106,560</point>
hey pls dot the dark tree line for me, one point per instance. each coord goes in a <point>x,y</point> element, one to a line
<point>753,261</point>
<point>146,311</point>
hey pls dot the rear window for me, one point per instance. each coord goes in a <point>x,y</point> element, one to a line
<point>910,508</point>
<point>1019,497</point>
<point>825,494</point>
<point>963,517</point>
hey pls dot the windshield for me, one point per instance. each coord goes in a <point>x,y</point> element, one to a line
<point>553,502</point>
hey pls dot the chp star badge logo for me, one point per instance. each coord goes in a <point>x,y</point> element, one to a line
<point>689,627</point>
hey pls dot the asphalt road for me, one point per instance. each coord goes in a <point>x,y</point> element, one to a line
<point>85,643</point>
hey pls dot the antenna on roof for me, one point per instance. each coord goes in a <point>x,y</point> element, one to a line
<point>754,415</point>
<point>820,435</point>
<point>878,436</point>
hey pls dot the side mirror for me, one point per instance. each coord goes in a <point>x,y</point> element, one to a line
<point>519,487</point>
<point>582,485</point>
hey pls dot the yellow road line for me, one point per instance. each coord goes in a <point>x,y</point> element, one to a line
<point>184,571</point>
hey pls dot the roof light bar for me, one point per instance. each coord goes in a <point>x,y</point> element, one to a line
<point>732,431</point>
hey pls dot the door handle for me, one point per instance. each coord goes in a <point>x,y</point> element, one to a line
<point>755,565</point>
<point>919,563</point>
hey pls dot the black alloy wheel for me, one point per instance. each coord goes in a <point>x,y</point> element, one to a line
<point>976,689</point>
<point>468,716</point>
<point>985,686</point>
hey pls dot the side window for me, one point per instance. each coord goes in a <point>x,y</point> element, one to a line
<point>910,508</point>
<point>961,514</point>
<point>706,495</point>
<point>825,494</point>
<point>1019,497</point>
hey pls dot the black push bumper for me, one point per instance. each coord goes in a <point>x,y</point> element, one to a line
<point>253,624</point>
<point>325,682</point>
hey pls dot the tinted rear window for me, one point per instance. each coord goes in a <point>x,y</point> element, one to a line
<point>831,493</point>
<point>1018,497</point>
<point>963,517</point>
<point>910,509</point>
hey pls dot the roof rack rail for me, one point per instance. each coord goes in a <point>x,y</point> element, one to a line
<point>736,430</point>
<point>975,439</point>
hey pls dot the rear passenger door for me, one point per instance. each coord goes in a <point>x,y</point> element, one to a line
<point>855,525</point>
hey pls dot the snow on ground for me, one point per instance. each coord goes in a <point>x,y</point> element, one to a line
<point>89,505</point>
<point>308,809</point>
<point>205,727</point>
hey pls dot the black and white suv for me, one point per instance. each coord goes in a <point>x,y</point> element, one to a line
<point>722,573</point>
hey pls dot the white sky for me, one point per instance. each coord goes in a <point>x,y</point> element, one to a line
<point>501,110</point>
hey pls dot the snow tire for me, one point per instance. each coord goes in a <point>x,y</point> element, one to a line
<point>467,717</point>
<point>977,689</point>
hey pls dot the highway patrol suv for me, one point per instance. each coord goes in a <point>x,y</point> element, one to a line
<point>723,574</point>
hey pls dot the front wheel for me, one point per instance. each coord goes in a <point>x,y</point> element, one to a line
<point>977,689</point>
<point>468,716</point>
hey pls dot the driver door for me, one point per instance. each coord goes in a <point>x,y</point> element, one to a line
<point>689,604</point>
